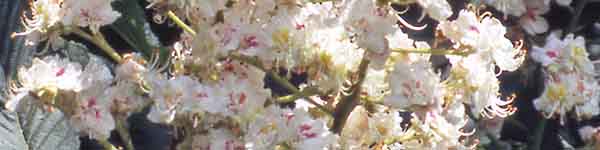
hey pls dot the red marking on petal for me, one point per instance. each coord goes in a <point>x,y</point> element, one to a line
<point>60,72</point>
<point>251,41</point>
<point>242,98</point>
<point>406,85</point>
<point>299,26</point>
<point>580,86</point>
<point>91,102</point>
<point>97,114</point>
<point>531,13</point>
<point>305,127</point>
<point>229,67</point>
<point>552,54</point>
<point>474,28</point>
<point>201,95</point>
<point>309,135</point>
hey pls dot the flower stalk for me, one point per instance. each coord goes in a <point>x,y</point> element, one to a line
<point>124,134</point>
<point>310,91</point>
<point>280,80</point>
<point>535,142</point>
<point>434,51</point>
<point>107,145</point>
<point>348,102</point>
<point>180,23</point>
<point>99,41</point>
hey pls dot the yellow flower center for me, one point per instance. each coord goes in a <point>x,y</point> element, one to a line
<point>557,92</point>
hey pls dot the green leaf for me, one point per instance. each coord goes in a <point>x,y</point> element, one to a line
<point>12,135</point>
<point>134,29</point>
<point>45,131</point>
<point>36,130</point>
<point>33,128</point>
<point>48,130</point>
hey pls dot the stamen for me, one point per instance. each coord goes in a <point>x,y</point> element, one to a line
<point>408,25</point>
<point>485,15</point>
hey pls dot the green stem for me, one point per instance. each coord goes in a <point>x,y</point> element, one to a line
<point>302,94</point>
<point>99,41</point>
<point>29,121</point>
<point>180,23</point>
<point>280,80</point>
<point>107,145</point>
<point>535,142</point>
<point>284,82</point>
<point>403,2</point>
<point>348,102</point>
<point>434,51</point>
<point>124,134</point>
<point>575,20</point>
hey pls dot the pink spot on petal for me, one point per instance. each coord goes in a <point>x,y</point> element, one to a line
<point>251,41</point>
<point>91,102</point>
<point>305,127</point>
<point>242,99</point>
<point>531,13</point>
<point>552,54</point>
<point>60,72</point>
<point>201,95</point>
<point>474,28</point>
<point>299,26</point>
<point>309,135</point>
<point>98,114</point>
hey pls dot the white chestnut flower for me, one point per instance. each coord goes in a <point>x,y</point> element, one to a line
<point>552,52</point>
<point>464,30</point>
<point>371,23</point>
<point>91,13</point>
<point>413,83</point>
<point>588,133</point>
<point>565,92</point>
<point>224,139</point>
<point>45,15</point>
<point>168,95</point>
<point>375,83</point>
<point>263,132</point>
<point>532,21</point>
<point>439,10</point>
<point>357,132</point>
<point>46,77</point>
<point>385,125</point>
<point>295,127</point>
<point>332,55</point>
<point>399,39</point>
<point>307,133</point>
<point>240,98</point>
<point>93,116</point>
<point>568,54</point>
<point>504,54</point>
<point>485,36</point>
<point>578,55</point>
<point>130,69</point>
<point>432,131</point>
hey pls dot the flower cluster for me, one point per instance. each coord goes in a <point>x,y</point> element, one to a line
<point>529,11</point>
<point>50,16</point>
<point>362,72</point>
<point>570,78</point>
<point>78,92</point>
